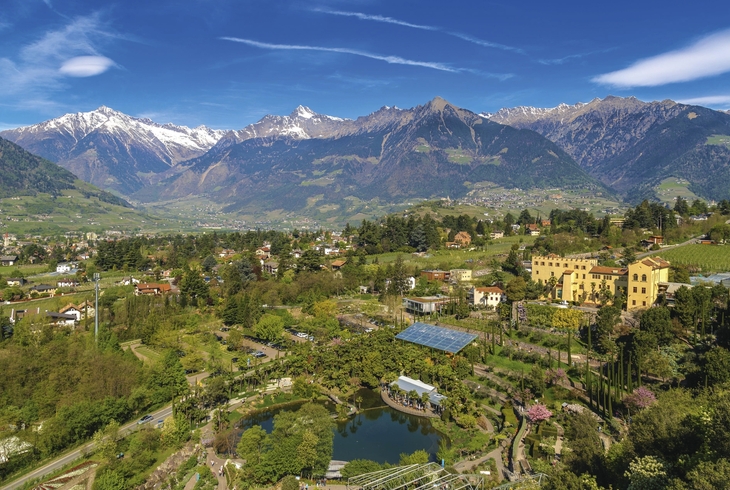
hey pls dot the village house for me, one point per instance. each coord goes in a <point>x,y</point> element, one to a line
<point>436,275</point>
<point>66,267</point>
<point>128,281</point>
<point>152,289</point>
<point>490,296</point>
<point>270,267</point>
<point>338,264</point>
<point>463,239</point>
<point>43,288</point>
<point>460,275</point>
<point>532,230</point>
<point>8,260</point>
<point>16,281</point>
<point>496,234</point>
<point>67,283</point>
<point>61,319</point>
<point>71,309</point>
<point>263,253</point>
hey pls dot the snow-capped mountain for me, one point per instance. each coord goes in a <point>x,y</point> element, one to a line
<point>527,113</point>
<point>111,149</point>
<point>303,123</point>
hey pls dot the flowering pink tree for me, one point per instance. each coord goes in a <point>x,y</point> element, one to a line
<point>555,376</point>
<point>538,413</point>
<point>640,398</point>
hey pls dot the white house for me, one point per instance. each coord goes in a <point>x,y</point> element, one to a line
<point>65,267</point>
<point>487,296</point>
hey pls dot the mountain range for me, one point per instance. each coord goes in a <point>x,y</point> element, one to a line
<point>631,145</point>
<point>615,145</point>
<point>113,150</point>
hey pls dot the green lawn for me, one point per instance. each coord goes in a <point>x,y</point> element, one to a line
<point>148,352</point>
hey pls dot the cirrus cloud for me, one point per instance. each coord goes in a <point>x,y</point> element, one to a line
<point>706,57</point>
<point>86,66</point>
<point>397,60</point>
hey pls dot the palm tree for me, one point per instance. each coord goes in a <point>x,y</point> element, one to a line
<point>358,400</point>
<point>424,400</point>
<point>412,395</point>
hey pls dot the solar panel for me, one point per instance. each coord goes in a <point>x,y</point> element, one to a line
<point>439,338</point>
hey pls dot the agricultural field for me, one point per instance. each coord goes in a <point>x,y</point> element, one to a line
<point>708,258</point>
<point>671,188</point>
<point>458,258</point>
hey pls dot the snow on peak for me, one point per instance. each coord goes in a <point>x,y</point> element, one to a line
<point>176,142</point>
<point>304,112</point>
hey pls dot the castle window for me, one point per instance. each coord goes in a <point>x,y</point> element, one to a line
<point>636,277</point>
<point>643,290</point>
<point>643,278</point>
<point>633,302</point>
<point>634,288</point>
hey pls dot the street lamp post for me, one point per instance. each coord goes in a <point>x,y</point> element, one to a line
<point>96,307</point>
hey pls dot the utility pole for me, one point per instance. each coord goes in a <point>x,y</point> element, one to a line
<point>96,308</point>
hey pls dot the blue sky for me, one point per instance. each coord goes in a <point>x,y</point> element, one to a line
<point>228,63</point>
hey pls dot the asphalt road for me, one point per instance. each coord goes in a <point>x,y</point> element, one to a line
<point>69,457</point>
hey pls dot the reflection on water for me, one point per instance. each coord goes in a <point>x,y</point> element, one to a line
<point>378,433</point>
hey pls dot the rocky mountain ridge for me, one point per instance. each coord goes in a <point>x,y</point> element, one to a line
<point>429,151</point>
<point>111,149</point>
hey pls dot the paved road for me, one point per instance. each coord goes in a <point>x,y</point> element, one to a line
<point>71,456</point>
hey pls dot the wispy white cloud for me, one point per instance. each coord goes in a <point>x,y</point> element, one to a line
<point>40,67</point>
<point>486,44</point>
<point>391,20</point>
<point>376,18</point>
<point>397,60</point>
<point>706,57</point>
<point>709,100</point>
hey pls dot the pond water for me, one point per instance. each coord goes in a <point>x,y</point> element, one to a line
<point>378,432</point>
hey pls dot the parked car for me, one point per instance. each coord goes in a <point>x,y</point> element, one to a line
<point>259,354</point>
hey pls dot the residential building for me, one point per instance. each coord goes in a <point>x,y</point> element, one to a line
<point>425,305</point>
<point>152,289</point>
<point>460,275</point>
<point>463,239</point>
<point>61,319</point>
<point>67,283</point>
<point>16,281</point>
<point>43,288</point>
<point>271,267</point>
<point>338,264</point>
<point>532,230</point>
<point>490,296</point>
<point>496,234</point>
<point>72,309</point>
<point>65,267</point>
<point>8,260</point>
<point>436,275</point>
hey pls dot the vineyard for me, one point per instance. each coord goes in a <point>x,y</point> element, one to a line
<point>706,258</point>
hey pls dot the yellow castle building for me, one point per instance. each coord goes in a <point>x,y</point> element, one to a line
<point>583,280</point>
